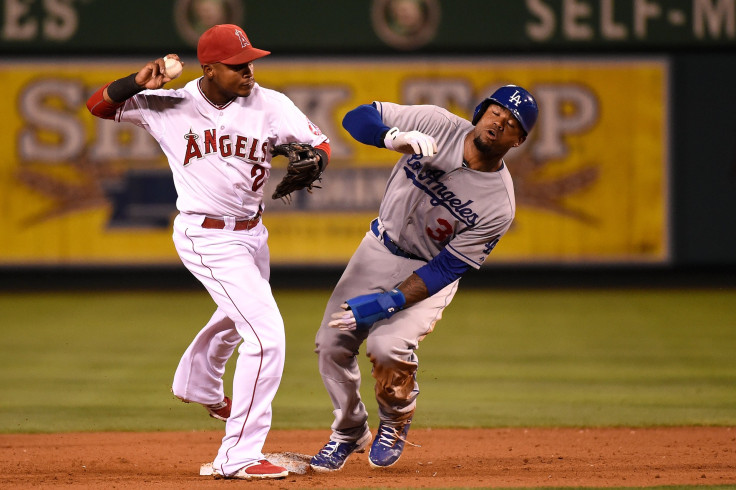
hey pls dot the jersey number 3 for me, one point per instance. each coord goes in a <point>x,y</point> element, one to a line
<point>441,233</point>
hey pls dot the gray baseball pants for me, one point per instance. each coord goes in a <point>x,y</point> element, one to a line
<point>390,343</point>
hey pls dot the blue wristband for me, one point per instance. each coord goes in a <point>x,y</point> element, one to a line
<point>370,308</point>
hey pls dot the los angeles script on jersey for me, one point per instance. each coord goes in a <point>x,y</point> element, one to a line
<point>237,146</point>
<point>428,180</point>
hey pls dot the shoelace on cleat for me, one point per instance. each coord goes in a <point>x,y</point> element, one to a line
<point>389,435</point>
<point>218,406</point>
<point>329,448</point>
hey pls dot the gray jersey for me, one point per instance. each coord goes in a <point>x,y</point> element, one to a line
<point>432,203</point>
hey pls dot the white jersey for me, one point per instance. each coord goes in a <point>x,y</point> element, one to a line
<point>219,155</point>
<point>432,203</point>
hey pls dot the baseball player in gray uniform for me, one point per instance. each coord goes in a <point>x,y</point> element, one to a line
<point>447,203</point>
<point>217,133</point>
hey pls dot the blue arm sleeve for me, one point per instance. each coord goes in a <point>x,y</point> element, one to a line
<point>441,271</point>
<point>364,123</point>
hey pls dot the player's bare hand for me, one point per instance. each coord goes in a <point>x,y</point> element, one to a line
<point>410,143</point>
<point>344,320</point>
<point>153,75</point>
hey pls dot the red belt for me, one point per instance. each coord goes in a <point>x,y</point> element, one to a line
<point>219,224</point>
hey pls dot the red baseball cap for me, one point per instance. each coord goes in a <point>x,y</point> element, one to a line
<point>228,44</point>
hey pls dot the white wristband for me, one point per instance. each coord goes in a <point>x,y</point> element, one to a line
<point>389,138</point>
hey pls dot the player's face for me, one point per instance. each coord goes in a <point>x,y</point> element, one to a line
<point>232,80</point>
<point>498,130</point>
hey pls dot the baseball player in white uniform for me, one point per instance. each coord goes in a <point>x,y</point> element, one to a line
<point>447,203</point>
<point>217,132</point>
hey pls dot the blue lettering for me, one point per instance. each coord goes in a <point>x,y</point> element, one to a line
<point>428,181</point>
<point>415,162</point>
<point>491,245</point>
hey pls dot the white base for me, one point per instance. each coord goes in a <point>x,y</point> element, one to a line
<point>294,462</point>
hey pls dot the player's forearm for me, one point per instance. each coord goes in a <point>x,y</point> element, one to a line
<point>442,270</point>
<point>414,289</point>
<point>105,102</point>
<point>363,311</point>
<point>122,89</point>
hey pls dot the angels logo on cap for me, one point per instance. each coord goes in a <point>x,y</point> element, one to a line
<point>228,44</point>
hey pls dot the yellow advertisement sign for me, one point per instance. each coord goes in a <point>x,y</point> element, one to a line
<point>591,182</point>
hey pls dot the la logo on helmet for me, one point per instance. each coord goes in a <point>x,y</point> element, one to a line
<point>516,98</point>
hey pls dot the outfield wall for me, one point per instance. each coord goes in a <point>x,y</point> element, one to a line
<point>632,164</point>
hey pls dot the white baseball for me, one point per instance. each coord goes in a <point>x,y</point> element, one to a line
<point>172,68</point>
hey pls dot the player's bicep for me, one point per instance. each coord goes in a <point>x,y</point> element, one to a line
<point>427,119</point>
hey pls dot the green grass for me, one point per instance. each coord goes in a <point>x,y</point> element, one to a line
<point>104,361</point>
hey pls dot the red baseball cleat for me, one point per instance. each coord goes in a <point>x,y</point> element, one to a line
<point>220,411</point>
<point>259,469</point>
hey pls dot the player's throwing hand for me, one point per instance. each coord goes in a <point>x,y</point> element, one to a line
<point>153,75</point>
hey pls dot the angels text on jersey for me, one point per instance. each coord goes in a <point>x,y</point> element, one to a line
<point>237,146</point>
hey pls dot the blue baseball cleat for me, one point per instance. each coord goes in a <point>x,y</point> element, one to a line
<point>388,444</point>
<point>333,455</point>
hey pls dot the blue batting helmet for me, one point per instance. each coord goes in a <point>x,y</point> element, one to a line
<point>516,99</point>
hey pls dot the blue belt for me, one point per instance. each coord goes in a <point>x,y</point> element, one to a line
<point>390,245</point>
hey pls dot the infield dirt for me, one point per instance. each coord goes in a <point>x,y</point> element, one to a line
<point>565,457</point>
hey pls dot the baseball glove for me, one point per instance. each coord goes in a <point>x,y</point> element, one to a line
<point>303,170</point>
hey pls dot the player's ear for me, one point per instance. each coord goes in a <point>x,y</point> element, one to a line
<point>208,71</point>
<point>522,138</point>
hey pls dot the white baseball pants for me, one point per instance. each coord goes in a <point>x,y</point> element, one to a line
<point>234,267</point>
